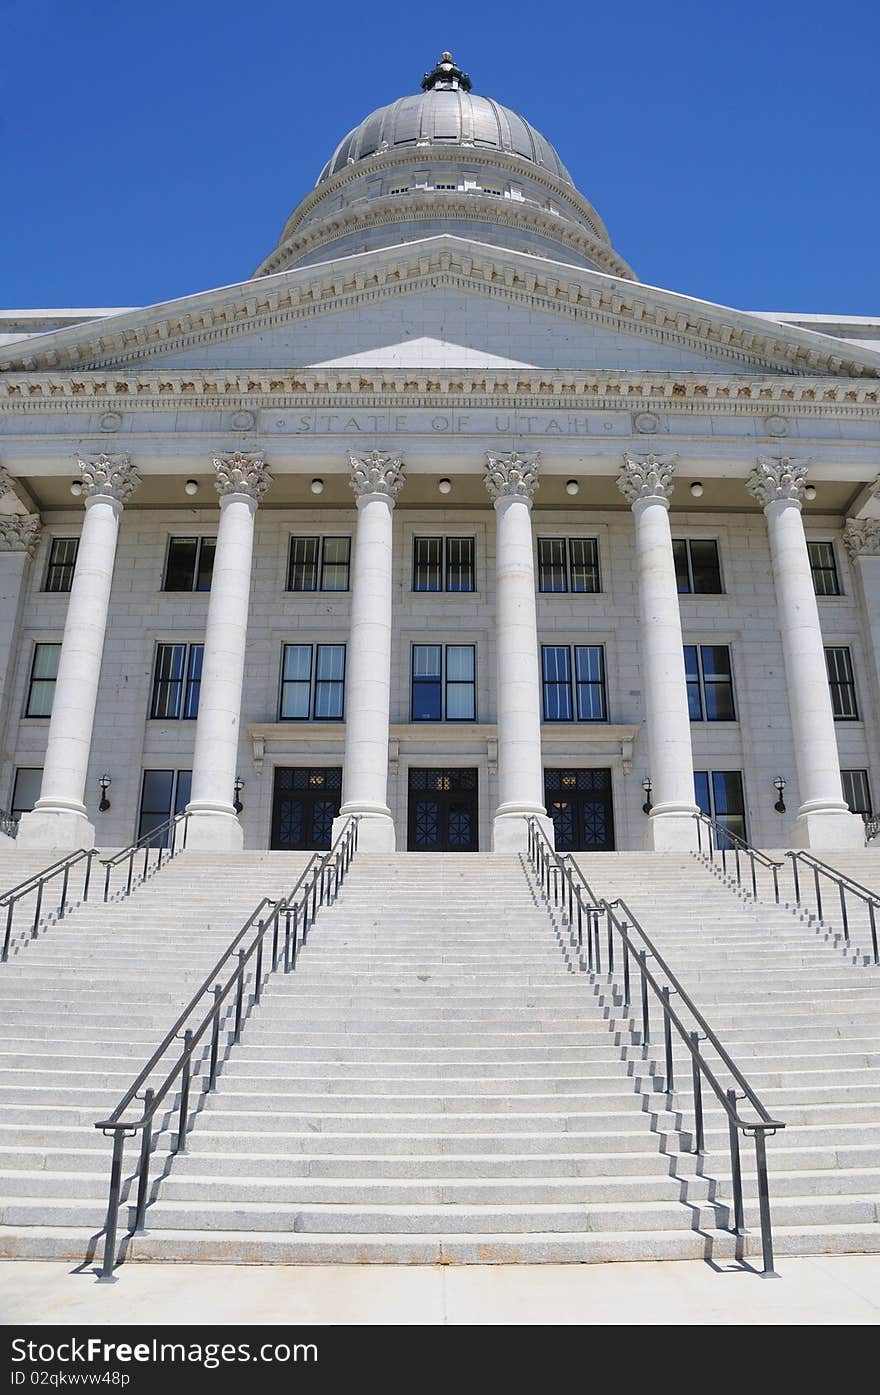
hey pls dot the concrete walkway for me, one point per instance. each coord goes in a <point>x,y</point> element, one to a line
<point>837,1290</point>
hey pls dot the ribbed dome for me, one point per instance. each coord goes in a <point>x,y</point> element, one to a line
<point>445,114</point>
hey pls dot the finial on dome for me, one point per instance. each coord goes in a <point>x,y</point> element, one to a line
<point>446,74</point>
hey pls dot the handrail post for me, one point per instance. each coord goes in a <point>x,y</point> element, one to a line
<point>88,877</point>
<point>65,881</point>
<point>130,871</point>
<point>646,1016</point>
<point>626,977</point>
<point>112,1221</point>
<point>797,880</point>
<point>258,971</point>
<point>873,919</point>
<point>9,914</point>
<point>183,1117</point>
<point>37,911</point>
<point>699,834</point>
<point>144,1164</point>
<point>754,877</point>
<point>699,1133</point>
<point>667,1033</point>
<point>591,916</point>
<point>611,945</point>
<point>818,892</point>
<point>277,922</point>
<point>764,1203</point>
<point>735,1167</point>
<point>844,917</point>
<point>776,883</point>
<point>107,882</point>
<point>215,1037</point>
<point>597,958</point>
<point>239,998</point>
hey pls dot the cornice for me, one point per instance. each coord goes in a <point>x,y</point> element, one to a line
<point>232,389</point>
<point>593,298</point>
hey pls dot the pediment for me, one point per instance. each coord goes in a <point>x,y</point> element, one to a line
<point>444,303</point>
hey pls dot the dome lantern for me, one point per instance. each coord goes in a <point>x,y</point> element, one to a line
<point>446,74</point>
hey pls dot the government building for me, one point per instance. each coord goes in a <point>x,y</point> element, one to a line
<point>445,518</point>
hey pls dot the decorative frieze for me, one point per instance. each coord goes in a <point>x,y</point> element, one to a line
<point>108,477</point>
<point>377,473</point>
<point>773,480</point>
<point>20,532</point>
<point>242,472</point>
<point>861,537</point>
<point>646,476</point>
<point>512,475</point>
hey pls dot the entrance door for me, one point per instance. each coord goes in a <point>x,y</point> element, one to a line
<point>579,803</point>
<point>304,804</point>
<point>442,811</point>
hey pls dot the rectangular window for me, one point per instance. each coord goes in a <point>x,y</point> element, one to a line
<point>697,568</point>
<point>44,672</point>
<point>856,792</point>
<point>312,683</point>
<point>26,790</point>
<point>189,565</point>
<point>164,793</point>
<point>62,560</point>
<point>842,684</point>
<point>719,793</point>
<point>568,564</point>
<point>824,568</point>
<point>443,564</point>
<point>709,683</point>
<point>177,681</point>
<point>574,682</point>
<point>439,695</point>
<point>319,564</point>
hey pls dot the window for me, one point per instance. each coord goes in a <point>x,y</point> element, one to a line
<point>189,565</point>
<point>856,792</point>
<point>44,672</point>
<point>445,186</point>
<point>487,189</point>
<point>439,696</point>
<point>574,682</point>
<point>568,564</point>
<point>719,793</point>
<point>25,791</point>
<point>319,564</point>
<point>62,560</point>
<point>709,683</point>
<point>697,568</point>
<point>312,682</point>
<point>842,684</point>
<point>164,793</point>
<point>177,681</point>
<point>443,564</point>
<point>824,568</point>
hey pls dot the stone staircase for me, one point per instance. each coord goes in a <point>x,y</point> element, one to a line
<point>19,864</point>
<point>863,866</point>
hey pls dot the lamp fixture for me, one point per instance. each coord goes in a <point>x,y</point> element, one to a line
<point>779,786</point>
<point>810,492</point>
<point>572,487</point>
<point>105,782</point>
<point>76,488</point>
<point>239,786</point>
<point>697,489</point>
<point>317,486</point>
<point>191,487</point>
<point>648,788</point>
<point>445,486</point>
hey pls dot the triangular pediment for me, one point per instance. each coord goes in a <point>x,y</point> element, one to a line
<point>442,303</point>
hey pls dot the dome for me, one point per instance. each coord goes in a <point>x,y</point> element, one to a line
<point>446,113</point>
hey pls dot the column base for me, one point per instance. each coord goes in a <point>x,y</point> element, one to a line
<point>208,831</point>
<point>56,830</point>
<point>675,831</point>
<point>831,829</point>
<point>510,832</point>
<point>375,832</point>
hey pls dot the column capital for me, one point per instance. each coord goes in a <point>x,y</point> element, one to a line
<point>510,475</point>
<point>7,483</point>
<point>20,532</point>
<point>241,472</point>
<point>646,477</point>
<point>861,537</point>
<point>376,473</point>
<point>108,477</point>
<point>776,479</point>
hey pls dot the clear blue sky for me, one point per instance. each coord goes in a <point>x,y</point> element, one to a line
<point>152,150</point>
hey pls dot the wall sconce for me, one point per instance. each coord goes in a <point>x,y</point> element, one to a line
<point>105,782</point>
<point>445,486</point>
<point>779,786</point>
<point>697,490</point>
<point>648,788</point>
<point>317,486</point>
<point>239,786</point>
<point>572,487</point>
<point>191,487</point>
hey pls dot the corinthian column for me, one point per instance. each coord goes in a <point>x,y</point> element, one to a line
<point>861,538</point>
<point>823,819</point>
<point>19,535</point>
<point>511,480</point>
<point>646,482</point>
<point>241,481</point>
<point>58,819</point>
<point>376,480</point>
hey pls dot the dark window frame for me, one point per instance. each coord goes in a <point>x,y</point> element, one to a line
<point>569,565</point>
<point>818,568</point>
<point>691,589</point>
<point>187,687</point>
<point>15,809</point>
<point>176,804</point>
<point>62,568</point>
<point>712,812</point>
<point>838,687</point>
<point>314,681</point>
<point>700,685</point>
<point>32,678</point>
<point>443,564</point>
<point>863,777</point>
<point>573,684</point>
<point>319,563</point>
<point>198,567</point>
<point>442,680</point>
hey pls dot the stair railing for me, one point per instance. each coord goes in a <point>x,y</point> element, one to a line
<point>166,840</point>
<point>8,824</point>
<point>276,928</point>
<point>35,886</point>
<point>563,882</point>
<point>845,886</point>
<point>723,843</point>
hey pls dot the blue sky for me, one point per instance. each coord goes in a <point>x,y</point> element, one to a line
<point>149,151</point>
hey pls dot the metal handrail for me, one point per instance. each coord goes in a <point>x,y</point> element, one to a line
<point>8,824</point>
<point>844,884</point>
<point>556,877</point>
<point>872,826</point>
<point>318,883</point>
<point>717,841</point>
<point>37,882</point>
<point>166,833</point>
